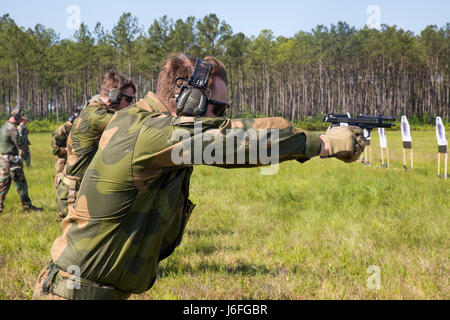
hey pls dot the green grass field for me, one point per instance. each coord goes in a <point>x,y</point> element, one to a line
<point>310,231</point>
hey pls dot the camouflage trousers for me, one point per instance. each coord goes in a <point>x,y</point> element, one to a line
<point>66,192</point>
<point>11,169</point>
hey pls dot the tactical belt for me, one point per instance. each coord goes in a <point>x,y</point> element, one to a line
<point>57,282</point>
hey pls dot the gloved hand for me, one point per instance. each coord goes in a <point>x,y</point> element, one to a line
<point>345,143</point>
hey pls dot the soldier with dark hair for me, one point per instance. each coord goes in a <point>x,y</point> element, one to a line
<point>11,165</point>
<point>133,204</point>
<point>116,92</point>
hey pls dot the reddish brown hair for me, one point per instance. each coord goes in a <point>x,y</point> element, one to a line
<point>113,79</point>
<point>181,66</point>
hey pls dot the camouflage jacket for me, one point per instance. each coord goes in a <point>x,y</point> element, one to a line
<point>133,202</point>
<point>10,141</point>
<point>82,143</point>
<point>23,132</point>
<point>59,140</point>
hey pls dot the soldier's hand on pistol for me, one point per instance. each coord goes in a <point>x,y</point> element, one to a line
<point>344,143</point>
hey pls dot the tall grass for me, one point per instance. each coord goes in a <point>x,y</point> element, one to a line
<point>308,232</point>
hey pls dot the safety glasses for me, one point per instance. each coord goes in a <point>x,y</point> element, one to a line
<point>128,99</point>
<point>220,107</point>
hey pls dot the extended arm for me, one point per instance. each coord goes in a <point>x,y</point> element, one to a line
<point>237,143</point>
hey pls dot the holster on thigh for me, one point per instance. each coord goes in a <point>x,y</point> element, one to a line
<point>73,183</point>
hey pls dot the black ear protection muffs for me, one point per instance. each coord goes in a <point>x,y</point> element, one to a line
<point>114,97</point>
<point>192,100</point>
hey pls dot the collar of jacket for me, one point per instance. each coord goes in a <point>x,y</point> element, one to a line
<point>152,103</point>
<point>98,103</point>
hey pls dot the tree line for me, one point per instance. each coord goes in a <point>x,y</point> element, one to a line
<point>329,69</point>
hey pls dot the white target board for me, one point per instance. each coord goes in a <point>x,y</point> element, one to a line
<point>406,130</point>
<point>406,133</point>
<point>442,146</point>
<point>383,140</point>
<point>440,132</point>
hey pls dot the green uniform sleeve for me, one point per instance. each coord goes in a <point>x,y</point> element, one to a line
<point>234,143</point>
<point>292,143</point>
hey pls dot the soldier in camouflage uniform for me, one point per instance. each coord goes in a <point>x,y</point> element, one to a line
<point>59,145</point>
<point>85,134</point>
<point>11,165</point>
<point>134,204</point>
<point>23,132</point>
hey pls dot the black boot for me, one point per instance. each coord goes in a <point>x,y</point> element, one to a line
<point>30,207</point>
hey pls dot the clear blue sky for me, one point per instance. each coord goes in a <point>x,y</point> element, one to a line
<point>283,17</point>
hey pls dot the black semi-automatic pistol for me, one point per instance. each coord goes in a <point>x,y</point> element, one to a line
<point>361,121</point>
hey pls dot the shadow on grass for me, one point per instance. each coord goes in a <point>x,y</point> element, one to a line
<point>208,233</point>
<point>206,248</point>
<point>240,268</point>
